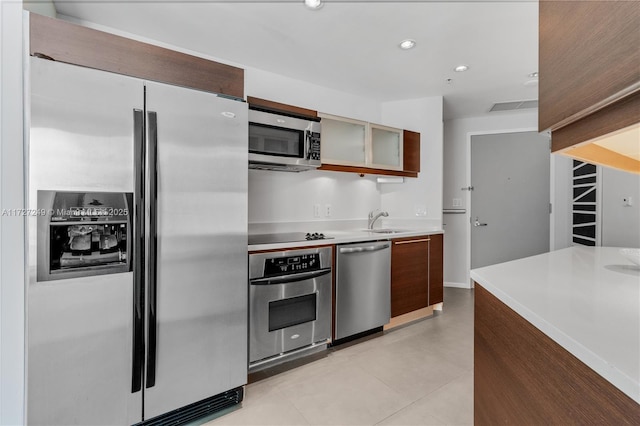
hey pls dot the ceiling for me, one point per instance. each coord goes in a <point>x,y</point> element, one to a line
<point>352,46</point>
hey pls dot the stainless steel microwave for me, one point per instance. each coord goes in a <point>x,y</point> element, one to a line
<point>282,142</point>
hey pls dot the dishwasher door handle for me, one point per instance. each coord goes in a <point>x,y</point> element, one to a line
<point>363,249</point>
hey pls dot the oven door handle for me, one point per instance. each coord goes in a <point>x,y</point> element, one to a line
<point>290,278</point>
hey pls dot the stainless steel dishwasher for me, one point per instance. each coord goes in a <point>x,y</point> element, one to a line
<point>363,287</point>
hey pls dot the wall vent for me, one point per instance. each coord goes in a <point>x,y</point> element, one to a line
<point>514,105</point>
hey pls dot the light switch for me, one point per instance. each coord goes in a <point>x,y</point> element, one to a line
<point>457,202</point>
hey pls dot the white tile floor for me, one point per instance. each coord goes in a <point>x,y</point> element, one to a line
<point>420,374</point>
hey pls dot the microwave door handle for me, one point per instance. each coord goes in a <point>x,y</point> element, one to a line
<point>291,278</point>
<point>307,144</point>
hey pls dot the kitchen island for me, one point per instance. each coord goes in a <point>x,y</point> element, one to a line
<point>557,339</point>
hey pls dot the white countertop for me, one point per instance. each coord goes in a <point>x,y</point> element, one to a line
<point>587,299</point>
<point>349,236</point>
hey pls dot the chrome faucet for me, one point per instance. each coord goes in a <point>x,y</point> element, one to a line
<point>373,217</point>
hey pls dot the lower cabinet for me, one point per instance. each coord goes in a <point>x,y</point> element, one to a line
<point>436,270</point>
<point>521,376</point>
<point>416,273</point>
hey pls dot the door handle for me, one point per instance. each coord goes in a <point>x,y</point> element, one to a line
<point>137,356</point>
<point>303,276</point>
<point>477,223</point>
<point>152,232</point>
<point>421,240</point>
<point>363,249</point>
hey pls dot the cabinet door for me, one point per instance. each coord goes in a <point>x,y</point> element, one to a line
<point>436,278</point>
<point>409,275</point>
<point>343,141</point>
<point>386,147</point>
<point>411,151</point>
<point>584,60</point>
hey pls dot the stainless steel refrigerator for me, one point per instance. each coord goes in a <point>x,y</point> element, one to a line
<point>141,312</point>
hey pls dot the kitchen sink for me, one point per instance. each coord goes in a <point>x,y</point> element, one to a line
<point>386,231</point>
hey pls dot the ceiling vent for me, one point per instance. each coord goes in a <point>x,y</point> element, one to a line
<point>510,106</point>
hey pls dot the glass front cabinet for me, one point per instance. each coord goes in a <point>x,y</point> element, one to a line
<point>357,143</point>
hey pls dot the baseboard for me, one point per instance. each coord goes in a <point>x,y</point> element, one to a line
<point>456,285</point>
<point>409,317</point>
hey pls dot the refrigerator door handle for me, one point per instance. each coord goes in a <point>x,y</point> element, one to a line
<point>138,252</point>
<point>152,138</point>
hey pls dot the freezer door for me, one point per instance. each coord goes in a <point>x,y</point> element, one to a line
<point>80,138</point>
<point>197,303</point>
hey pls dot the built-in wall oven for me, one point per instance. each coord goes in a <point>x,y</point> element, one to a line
<point>289,305</point>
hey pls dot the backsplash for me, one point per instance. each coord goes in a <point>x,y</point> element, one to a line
<point>312,196</point>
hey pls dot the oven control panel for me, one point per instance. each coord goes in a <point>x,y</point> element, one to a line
<point>291,264</point>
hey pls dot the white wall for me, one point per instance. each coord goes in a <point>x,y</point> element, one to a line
<point>12,242</point>
<point>561,196</point>
<point>620,223</point>
<point>280,197</point>
<point>455,163</point>
<point>275,87</point>
<point>421,197</point>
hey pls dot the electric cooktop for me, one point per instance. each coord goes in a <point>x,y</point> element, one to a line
<point>286,237</point>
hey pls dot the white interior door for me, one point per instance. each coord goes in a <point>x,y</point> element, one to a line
<point>510,197</point>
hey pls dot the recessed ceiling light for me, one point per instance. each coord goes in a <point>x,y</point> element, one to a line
<point>533,75</point>
<point>407,44</point>
<point>461,68</point>
<point>313,4</point>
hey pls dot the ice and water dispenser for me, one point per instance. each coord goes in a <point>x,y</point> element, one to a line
<point>83,233</point>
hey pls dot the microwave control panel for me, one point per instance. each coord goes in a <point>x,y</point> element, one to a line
<point>314,145</point>
<point>291,264</point>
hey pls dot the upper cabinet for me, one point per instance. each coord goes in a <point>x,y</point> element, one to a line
<point>278,107</point>
<point>357,146</point>
<point>63,41</point>
<point>386,147</point>
<point>344,141</point>
<point>589,93</point>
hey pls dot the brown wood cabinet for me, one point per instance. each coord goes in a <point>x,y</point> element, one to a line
<point>363,161</point>
<point>280,107</point>
<point>416,273</point>
<point>411,152</point>
<point>589,72</point>
<point>521,376</point>
<point>436,269</point>
<point>409,274</point>
<point>63,41</point>
<point>410,160</point>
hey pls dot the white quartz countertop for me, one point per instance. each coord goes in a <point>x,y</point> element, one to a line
<point>587,299</point>
<point>349,236</point>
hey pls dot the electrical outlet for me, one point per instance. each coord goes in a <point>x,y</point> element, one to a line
<point>316,210</point>
<point>327,210</point>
